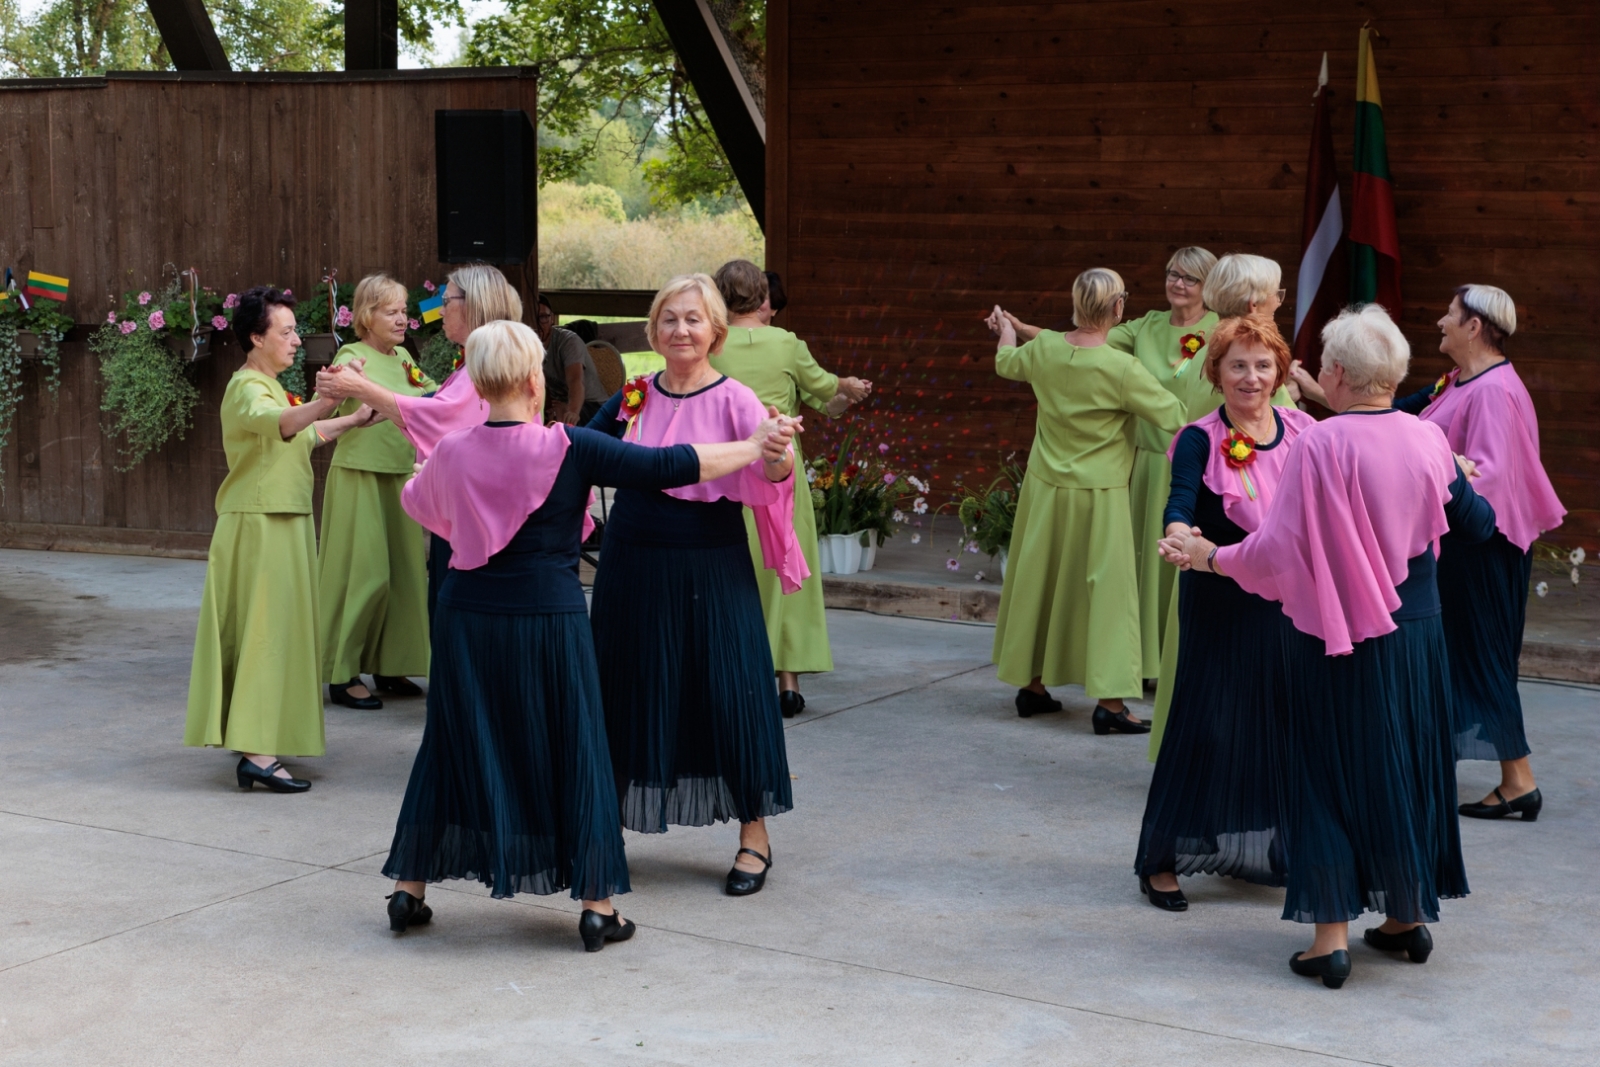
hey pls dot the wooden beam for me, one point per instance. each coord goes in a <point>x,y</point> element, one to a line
<point>190,37</point>
<point>371,34</point>
<point>723,93</point>
<point>606,302</point>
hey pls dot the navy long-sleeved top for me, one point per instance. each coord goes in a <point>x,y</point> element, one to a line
<point>537,572</point>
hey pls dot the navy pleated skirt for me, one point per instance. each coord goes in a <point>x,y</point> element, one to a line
<point>512,785</point>
<point>1483,589</point>
<point>1372,778</point>
<point>1216,802</point>
<point>686,671</point>
<point>438,567</point>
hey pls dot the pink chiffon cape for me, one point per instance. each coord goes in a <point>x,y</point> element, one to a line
<point>1265,472</point>
<point>428,419</point>
<point>728,411</point>
<point>481,484</point>
<point>1490,420</point>
<point>1360,496</point>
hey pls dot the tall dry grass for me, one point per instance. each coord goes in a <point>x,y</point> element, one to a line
<point>579,250</point>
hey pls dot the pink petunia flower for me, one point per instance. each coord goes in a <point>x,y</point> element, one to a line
<point>158,321</point>
<point>111,316</point>
<point>342,317</point>
<point>426,284</point>
<point>414,324</point>
<point>231,302</point>
<point>218,322</point>
<point>144,298</point>
<point>128,326</point>
<point>288,292</point>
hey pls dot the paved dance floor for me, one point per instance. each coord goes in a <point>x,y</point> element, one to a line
<point>955,886</point>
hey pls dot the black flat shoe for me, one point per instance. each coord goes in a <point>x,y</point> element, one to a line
<point>406,910</point>
<point>743,883</point>
<point>791,703</point>
<point>1527,805</point>
<point>250,776</point>
<point>1333,968</point>
<point>1416,942</point>
<point>1161,898</point>
<point>1107,721</point>
<point>1030,703</point>
<point>396,686</point>
<point>340,694</point>
<point>597,929</point>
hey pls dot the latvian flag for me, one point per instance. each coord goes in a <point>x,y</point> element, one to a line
<point>1324,265</point>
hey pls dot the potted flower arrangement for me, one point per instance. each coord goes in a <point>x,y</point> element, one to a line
<point>857,501</point>
<point>987,516</point>
<point>323,321</point>
<point>145,358</point>
<point>28,333</point>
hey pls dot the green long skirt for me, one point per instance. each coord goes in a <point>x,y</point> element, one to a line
<point>1147,501</point>
<point>797,624</point>
<point>373,579</point>
<point>1069,608</point>
<point>253,687</point>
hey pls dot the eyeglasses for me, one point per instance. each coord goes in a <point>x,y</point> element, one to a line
<point>1174,278</point>
<point>448,299</point>
<point>1283,294</point>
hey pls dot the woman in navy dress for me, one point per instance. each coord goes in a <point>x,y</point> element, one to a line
<point>512,785</point>
<point>1347,548</point>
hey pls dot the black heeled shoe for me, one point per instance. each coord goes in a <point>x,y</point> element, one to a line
<point>1161,898</point>
<point>1528,805</point>
<point>743,883</point>
<point>791,703</point>
<point>396,685</point>
<point>1416,942</point>
<point>249,776</point>
<point>1030,703</point>
<point>340,694</point>
<point>1333,968</point>
<point>597,929</point>
<point>1107,721</point>
<point>406,910</point>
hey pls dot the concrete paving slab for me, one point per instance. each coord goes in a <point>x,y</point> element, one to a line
<point>954,886</point>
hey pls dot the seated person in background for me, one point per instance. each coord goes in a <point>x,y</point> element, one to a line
<point>572,383</point>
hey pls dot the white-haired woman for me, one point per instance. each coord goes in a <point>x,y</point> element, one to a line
<point>1347,548</point>
<point>473,295</point>
<point>1069,608</point>
<point>512,785</point>
<point>1487,415</point>
<point>685,664</point>
<point>372,570</point>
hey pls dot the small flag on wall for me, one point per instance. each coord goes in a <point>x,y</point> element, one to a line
<point>432,308</point>
<point>46,286</point>
<point>11,291</point>
<point>1374,237</point>
<point>1324,279</point>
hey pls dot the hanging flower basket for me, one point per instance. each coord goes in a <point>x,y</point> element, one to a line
<point>320,348</point>
<point>27,344</point>
<point>191,348</point>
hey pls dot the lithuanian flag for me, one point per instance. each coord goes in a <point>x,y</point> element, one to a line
<point>46,286</point>
<point>1374,237</point>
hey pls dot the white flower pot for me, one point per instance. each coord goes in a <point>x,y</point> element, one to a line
<point>846,553</point>
<point>869,550</point>
<point>1002,564</point>
<point>825,554</point>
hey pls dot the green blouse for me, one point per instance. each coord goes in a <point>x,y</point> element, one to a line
<point>1157,345</point>
<point>777,366</point>
<point>266,474</point>
<point>382,448</point>
<point>1086,398</point>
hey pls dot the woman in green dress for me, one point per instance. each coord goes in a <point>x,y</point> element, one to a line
<point>1069,608</point>
<point>373,571</point>
<point>778,368</point>
<point>253,687</point>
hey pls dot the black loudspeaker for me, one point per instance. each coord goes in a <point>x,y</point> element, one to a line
<point>486,165</point>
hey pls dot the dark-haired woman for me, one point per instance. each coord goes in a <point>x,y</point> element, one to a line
<point>254,684</point>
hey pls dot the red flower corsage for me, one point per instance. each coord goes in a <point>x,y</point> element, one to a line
<point>414,376</point>
<point>456,364</point>
<point>1188,345</point>
<point>634,393</point>
<point>1238,452</point>
<point>295,399</point>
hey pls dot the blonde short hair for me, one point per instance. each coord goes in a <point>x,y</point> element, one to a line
<point>1239,278</point>
<point>710,299</point>
<point>1095,293</point>
<point>489,296</point>
<point>1374,353</point>
<point>372,292</point>
<point>501,357</point>
<point>1494,308</point>
<point>1193,261</point>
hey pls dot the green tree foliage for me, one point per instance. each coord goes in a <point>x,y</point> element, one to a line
<point>613,58</point>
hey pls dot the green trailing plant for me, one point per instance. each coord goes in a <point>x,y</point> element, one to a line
<point>147,389</point>
<point>987,516</point>
<point>49,326</point>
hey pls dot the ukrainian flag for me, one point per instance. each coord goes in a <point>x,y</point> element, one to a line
<point>432,308</point>
<point>46,286</point>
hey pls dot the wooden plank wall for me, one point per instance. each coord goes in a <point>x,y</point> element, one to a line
<point>249,178</point>
<point>930,160</point>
